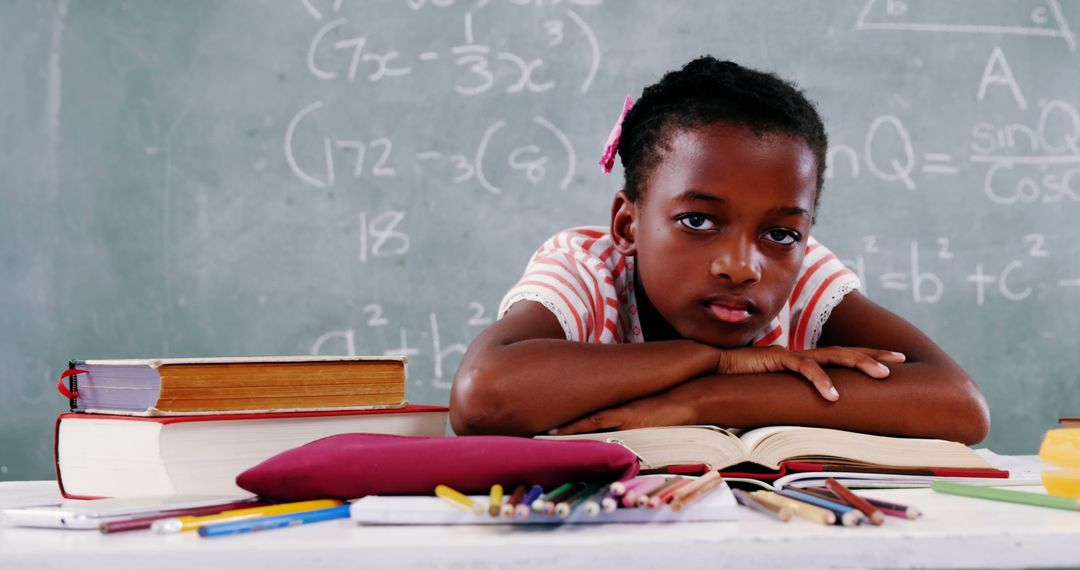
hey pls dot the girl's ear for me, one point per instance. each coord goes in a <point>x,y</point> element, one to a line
<point>624,215</point>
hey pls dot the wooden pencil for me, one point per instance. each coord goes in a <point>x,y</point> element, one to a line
<point>680,501</point>
<point>747,500</point>
<point>798,508</point>
<point>856,501</point>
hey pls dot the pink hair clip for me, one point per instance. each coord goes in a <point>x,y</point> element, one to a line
<point>608,159</point>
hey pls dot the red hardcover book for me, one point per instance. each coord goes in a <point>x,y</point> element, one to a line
<point>99,455</point>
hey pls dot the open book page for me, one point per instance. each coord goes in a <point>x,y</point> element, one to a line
<point>773,445</point>
<point>674,445</point>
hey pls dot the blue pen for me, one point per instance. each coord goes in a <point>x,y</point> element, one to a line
<point>845,515</point>
<point>276,521</point>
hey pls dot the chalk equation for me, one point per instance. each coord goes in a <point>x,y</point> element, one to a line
<point>915,269</point>
<point>1032,160</point>
<point>341,50</point>
<point>349,158</point>
<point>428,342</point>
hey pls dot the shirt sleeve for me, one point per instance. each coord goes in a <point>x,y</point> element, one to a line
<point>564,281</point>
<point>822,283</point>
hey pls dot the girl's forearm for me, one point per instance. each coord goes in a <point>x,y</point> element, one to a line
<point>916,400</point>
<point>531,386</point>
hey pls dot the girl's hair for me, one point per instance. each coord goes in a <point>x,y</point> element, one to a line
<point>708,91</point>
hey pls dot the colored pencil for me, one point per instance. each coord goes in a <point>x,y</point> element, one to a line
<point>514,501</point>
<point>886,507</point>
<point>523,508</point>
<point>630,499</point>
<point>495,499</point>
<point>1006,495</point>
<point>458,499</point>
<point>681,500</point>
<point>747,500</point>
<point>799,508</point>
<point>182,524</point>
<point>666,495</point>
<point>646,500</point>
<point>845,515</point>
<point>145,522</point>
<point>276,521</point>
<point>546,503</point>
<point>565,507</point>
<point>602,500</point>
<point>856,501</point>
<point>703,480</point>
<point>618,488</point>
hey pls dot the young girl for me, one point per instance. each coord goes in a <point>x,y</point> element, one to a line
<point>706,301</point>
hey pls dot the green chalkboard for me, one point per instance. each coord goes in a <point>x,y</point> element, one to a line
<point>356,177</point>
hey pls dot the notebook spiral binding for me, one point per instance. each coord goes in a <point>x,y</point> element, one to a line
<point>72,389</point>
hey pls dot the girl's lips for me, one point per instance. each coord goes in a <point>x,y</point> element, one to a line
<point>728,313</point>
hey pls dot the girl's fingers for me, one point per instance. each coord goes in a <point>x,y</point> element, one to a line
<point>880,355</point>
<point>869,361</point>
<point>812,371</point>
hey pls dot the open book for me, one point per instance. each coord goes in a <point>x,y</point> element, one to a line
<point>774,452</point>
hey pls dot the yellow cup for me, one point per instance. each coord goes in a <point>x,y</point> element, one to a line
<point>1061,448</point>
<point>1062,483</point>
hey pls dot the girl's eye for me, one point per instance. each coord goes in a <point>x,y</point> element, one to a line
<point>782,237</point>
<point>697,222</point>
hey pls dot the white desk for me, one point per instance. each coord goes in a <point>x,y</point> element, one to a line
<point>953,532</point>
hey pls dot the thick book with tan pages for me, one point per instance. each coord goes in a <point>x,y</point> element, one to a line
<point>186,386</point>
<point>101,455</point>
<point>772,452</point>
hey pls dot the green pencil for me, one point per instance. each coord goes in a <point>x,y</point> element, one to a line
<point>1036,499</point>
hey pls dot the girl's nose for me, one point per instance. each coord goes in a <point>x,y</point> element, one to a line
<point>737,262</point>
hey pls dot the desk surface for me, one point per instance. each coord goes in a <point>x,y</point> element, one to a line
<point>953,532</point>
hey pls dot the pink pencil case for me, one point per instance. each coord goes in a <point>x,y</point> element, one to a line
<point>354,465</point>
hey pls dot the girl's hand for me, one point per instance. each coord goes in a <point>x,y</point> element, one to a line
<point>808,363</point>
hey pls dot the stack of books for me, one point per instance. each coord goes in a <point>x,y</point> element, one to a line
<point>190,426</point>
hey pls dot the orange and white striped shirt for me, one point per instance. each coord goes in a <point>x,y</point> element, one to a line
<point>589,286</point>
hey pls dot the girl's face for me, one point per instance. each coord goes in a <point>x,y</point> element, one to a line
<point>721,229</point>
